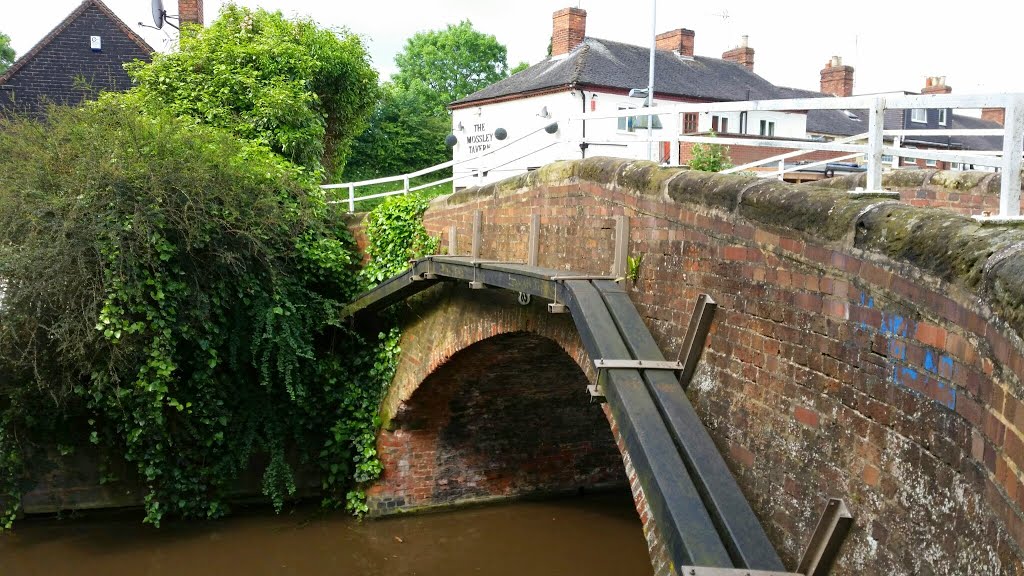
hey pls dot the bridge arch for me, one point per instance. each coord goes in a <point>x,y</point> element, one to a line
<point>505,415</point>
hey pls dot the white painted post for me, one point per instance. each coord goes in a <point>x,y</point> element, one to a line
<point>405,184</point>
<point>876,121</point>
<point>677,129</point>
<point>782,169</point>
<point>351,199</point>
<point>1013,153</point>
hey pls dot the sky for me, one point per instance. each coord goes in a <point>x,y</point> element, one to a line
<point>893,45</point>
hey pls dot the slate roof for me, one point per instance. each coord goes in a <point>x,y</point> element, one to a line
<point>85,5</point>
<point>976,142</point>
<point>610,64</point>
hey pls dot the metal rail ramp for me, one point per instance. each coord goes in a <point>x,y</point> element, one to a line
<point>705,521</point>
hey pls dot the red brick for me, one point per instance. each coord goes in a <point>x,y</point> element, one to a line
<point>805,416</point>
<point>931,335</point>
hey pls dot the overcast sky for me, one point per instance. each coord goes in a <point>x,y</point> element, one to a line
<point>894,45</point>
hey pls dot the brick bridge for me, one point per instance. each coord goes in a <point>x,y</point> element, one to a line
<point>863,348</point>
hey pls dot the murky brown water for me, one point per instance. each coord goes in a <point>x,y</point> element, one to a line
<point>593,535</point>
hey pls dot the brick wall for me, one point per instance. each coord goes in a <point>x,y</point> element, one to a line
<point>67,71</point>
<point>967,193</point>
<point>862,349</point>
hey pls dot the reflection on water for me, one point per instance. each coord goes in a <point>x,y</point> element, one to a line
<point>594,535</point>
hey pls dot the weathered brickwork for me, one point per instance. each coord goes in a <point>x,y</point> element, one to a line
<point>66,70</point>
<point>490,402</point>
<point>967,193</point>
<point>862,349</point>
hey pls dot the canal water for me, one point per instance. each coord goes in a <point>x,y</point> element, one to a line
<point>592,535</point>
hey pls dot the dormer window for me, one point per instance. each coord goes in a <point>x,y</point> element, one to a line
<point>942,116</point>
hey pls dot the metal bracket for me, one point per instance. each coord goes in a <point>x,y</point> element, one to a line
<point>828,536</point>
<point>696,334</point>
<point>619,263</point>
<point>533,250</point>
<point>477,225</point>
<point>596,393</point>
<point>556,308</point>
<point>712,571</point>
<point>674,365</point>
<point>474,285</point>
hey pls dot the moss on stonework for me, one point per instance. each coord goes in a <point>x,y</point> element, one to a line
<point>846,182</point>
<point>906,178</point>
<point>599,169</point>
<point>817,212</point>
<point>709,189</point>
<point>953,247</point>
<point>958,180</point>
<point>558,171</point>
<point>644,177</point>
<point>1005,289</point>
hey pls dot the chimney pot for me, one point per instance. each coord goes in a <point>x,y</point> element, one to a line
<point>679,41</point>
<point>568,29</point>
<point>744,40</point>
<point>936,85</point>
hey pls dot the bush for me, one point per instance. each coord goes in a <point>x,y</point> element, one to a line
<point>171,293</point>
<point>710,157</point>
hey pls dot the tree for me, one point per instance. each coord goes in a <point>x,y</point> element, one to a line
<point>445,65</point>
<point>519,68</point>
<point>300,90</point>
<point>6,52</point>
<point>403,135</point>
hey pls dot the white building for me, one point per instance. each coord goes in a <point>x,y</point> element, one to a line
<point>501,129</point>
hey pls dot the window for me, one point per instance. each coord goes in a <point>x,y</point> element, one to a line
<point>942,116</point>
<point>690,122</point>
<point>714,123</point>
<point>956,166</point>
<point>725,125</point>
<point>931,163</point>
<point>887,159</point>
<point>919,115</point>
<point>634,123</point>
<point>767,128</point>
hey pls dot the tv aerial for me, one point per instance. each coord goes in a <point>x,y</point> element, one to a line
<point>160,16</point>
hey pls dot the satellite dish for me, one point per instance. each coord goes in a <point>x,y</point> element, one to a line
<point>159,14</point>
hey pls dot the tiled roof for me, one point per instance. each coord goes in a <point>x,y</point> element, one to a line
<point>85,5</point>
<point>610,64</point>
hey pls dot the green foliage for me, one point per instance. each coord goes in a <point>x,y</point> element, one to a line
<point>170,294</point>
<point>396,235</point>
<point>302,91</point>
<point>6,52</point>
<point>633,267</point>
<point>445,65</point>
<point>404,135</point>
<point>519,68</point>
<point>710,157</point>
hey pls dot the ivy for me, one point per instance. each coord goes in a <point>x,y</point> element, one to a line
<point>396,235</point>
<point>171,294</point>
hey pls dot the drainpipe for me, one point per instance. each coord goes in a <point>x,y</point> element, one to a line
<point>583,142</point>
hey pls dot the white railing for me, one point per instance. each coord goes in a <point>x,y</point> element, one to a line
<point>871,145</point>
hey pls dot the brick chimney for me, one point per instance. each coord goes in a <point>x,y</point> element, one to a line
<point>936,85</point>
<point>994,115</point>
<point>679,41</point>
<point>569,27</point>
<point>742,55</point>
<point>190,12</point>
<point>837,79</point>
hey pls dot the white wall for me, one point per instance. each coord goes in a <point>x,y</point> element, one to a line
<point>481,158</point>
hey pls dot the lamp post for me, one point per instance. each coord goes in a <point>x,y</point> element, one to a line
<point>650,78</point>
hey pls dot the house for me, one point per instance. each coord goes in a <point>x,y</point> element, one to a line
<point>515,121</point>
<point>82,56</point>
<point>837,80</point>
